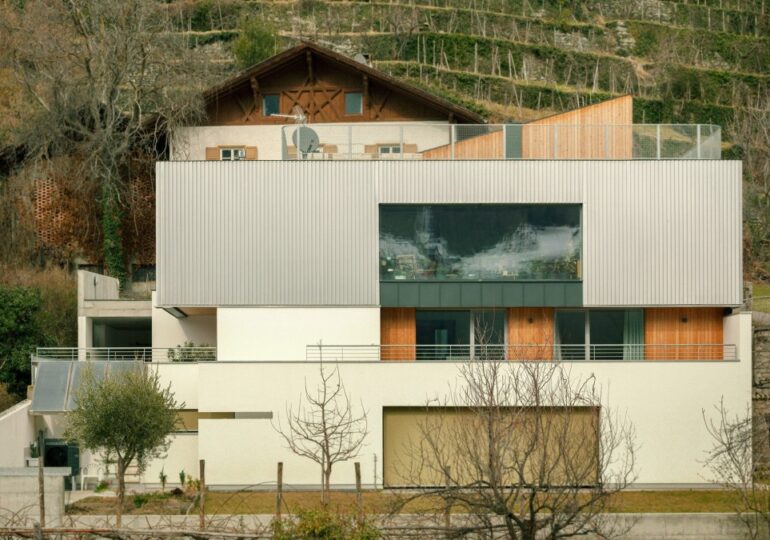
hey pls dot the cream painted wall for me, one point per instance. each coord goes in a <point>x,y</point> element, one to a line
<point>184,380</point>
<point>664,400</point>
<point>190,143</point>
<point>17,430</point>
<point>182,455</point>
<point>169,331</point>
<point>273,333</point>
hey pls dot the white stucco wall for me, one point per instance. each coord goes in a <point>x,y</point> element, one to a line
<point>169,331</point>
<point>282,333</point>
<point>182,455</point>
<point>663,400</point>
<point>190,143</point>
<point>17,430</point>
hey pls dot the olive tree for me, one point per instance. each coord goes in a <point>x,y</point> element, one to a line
<point>126,415</point>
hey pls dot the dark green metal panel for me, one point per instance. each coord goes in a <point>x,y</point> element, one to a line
<point>470,294</point>
<point>450,295</point>
<point>513,141</point>
<point>438,294</point>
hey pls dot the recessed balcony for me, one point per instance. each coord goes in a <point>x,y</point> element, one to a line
<point>427,141</point>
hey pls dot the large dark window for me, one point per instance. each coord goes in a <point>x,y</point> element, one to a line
<point>443,334</point>
<point>480,242</point>
<point>571,335</point>
<point>452,334</point>
<point>616,334</point>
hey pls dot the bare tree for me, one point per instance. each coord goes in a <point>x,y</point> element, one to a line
<point>731,462</point>
<point>105,80</point>
<point>324,426</point>
<point>523,449</point>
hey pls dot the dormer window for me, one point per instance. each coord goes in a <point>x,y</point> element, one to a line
<point>232,153</point>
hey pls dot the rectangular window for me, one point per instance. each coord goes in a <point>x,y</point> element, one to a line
<point>480,242</point>
<point>612,334</point>
<point>389,149</point>
<point>571,335</point>
<point>232,154</point>
<point>453,334</point>
<point>443,335</point>
<point>354,103</point>
<point>271,104</point>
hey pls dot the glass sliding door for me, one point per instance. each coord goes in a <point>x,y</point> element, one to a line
<point>443,335</point>
<point>570,335</point>
<point>489,334</point>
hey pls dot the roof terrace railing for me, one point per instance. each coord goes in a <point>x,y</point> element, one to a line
<point>434,141</point>
<point>625,352</point>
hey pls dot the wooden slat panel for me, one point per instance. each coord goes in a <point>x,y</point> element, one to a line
<point>398,326</point>
<point>527,327</point>
<point>487,146</point>
<point>586,140</point>
<point>683,326</point>
<point>212,153</point>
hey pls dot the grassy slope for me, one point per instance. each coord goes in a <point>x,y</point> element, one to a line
<point>380,502</point>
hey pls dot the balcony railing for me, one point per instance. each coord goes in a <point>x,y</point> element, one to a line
<point>140,354</point>
<point>430,141</point>
<point>365,353</point>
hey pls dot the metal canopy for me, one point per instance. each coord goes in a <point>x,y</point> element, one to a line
<point>57,382</point>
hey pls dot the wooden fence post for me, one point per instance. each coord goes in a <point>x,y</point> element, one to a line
<point>359,495</point>
<point>202,496</point>
<point>279,492</point>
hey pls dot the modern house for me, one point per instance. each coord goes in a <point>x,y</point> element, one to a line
<point>328,211</point>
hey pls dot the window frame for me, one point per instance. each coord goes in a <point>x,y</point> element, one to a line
<point>472,312</point>
<point>587,355</point>
<point>240,150</point>
<point>264,104</point>
<point>345,95</point>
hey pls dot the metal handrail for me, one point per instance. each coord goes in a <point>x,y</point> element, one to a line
<point>426,141</point>
<point>140,354</point>
<point>695,351</point>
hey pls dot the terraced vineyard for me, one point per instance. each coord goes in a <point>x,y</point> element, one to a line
<point>683,61</point>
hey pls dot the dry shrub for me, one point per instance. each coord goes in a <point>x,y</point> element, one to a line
<point>58,292</point>
<point>7,400</point>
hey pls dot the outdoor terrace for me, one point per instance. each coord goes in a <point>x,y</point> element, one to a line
<point>428,141</point>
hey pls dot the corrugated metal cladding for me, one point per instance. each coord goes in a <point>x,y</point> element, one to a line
<point>306,233</point>
<point>662,233</point>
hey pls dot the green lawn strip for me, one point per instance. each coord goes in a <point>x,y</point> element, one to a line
<point>379,502</point>
<point>761,291</point>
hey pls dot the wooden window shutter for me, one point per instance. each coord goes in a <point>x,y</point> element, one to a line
<point>212,153</point>
<point>251,153</point>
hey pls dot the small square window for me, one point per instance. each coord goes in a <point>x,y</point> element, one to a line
<point>271,104</point>
<point>389,149</point>
<point>354,103</point>
<point>232,154</point>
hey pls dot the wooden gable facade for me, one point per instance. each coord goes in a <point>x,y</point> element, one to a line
<point>326,87</point>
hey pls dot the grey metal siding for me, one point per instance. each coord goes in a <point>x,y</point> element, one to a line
<point>306,232</point>
<point>662,233</point>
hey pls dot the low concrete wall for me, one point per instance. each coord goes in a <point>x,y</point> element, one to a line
<point>17,430</point>
<point>19,495</point>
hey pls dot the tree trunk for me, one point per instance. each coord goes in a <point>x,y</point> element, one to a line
<point>121,473</point>
<point>327,477</point>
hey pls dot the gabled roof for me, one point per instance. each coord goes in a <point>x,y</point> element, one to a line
<point>461,114</point>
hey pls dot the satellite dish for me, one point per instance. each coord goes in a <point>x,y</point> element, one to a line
<point>305,139</point>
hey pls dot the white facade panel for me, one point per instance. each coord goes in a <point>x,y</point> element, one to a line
<point>305,233</point>
<point>669,452</point>
<point>274,333</point>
